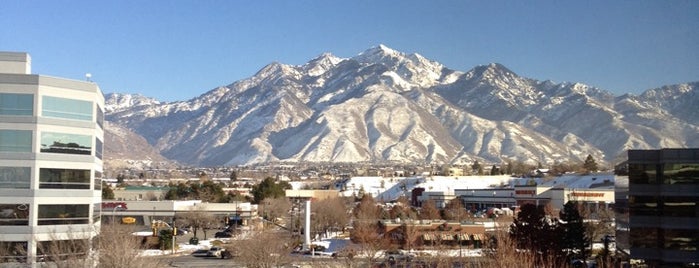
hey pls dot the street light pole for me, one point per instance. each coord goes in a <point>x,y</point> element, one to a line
<point>114,212</point>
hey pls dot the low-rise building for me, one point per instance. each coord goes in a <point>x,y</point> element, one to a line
<point>412,234</point>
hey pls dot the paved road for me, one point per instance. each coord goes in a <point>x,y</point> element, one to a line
<point>189,261</point>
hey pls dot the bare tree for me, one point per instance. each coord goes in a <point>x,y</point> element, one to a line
<point>263,249</point>
<point>502,251</point>
<point>274,208</point>
<point>429,211</point>
<point>118,248</point>
<point>197,218</point>
<point>365,234</point>
<point>329,215</point>
<point>455,210</point>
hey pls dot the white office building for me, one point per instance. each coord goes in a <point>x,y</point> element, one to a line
<point>51,133</point>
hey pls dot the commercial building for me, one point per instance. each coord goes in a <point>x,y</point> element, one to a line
<point>592,191</point>
<point>51,133</point>
<point>147,212</point>
<point>663,216</point>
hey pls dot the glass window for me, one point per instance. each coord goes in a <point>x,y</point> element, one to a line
<point>643,206</point>
<point>64,214</point>
<point>96,212</point>
<point>54,178</point>
<point>100,116</point>
<point>681,174</point>
<point>16,104</point>
<point>15,177</point>
<point>64,143</point>
<point>14,214</point>
<point>680,206</point>
<point>61,250</point>
<point>66,108</point>
<point>13,251</point>
<point>98,180</point>
<point>15,140</point>
<point>643,237</point>
<point>642,174</point>
<point>98,148</point>
<point>685,240</point>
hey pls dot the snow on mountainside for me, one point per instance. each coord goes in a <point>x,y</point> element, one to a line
<point>385,105</point>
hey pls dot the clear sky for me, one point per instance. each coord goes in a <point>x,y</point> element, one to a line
<point>176,50</point>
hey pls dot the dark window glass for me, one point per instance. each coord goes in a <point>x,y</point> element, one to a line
<point>100,116</point>
<point>64,214</point>
<point>685,240</point>
<point>681,174</point>
<point>66,108</point>
<point>644,237</point>
<point>96,212</point>
<point>98,148</point>
<point>13,251</point>
<point>64,143</point>
<point>55,178</point>
<point>643,206</point>
<point>98,180</point>
<point>14,214</point>
<point>680,206</point>
<point>643,174</point>
<point>15,177</point>
<point>16,104</point>
<point>15,140</point>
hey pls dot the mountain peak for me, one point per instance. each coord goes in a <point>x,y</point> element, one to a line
<point>378,52</point>
<point>321,64</point>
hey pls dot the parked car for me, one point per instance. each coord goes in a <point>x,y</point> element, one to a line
<point>215,252</point>
<point>223,234</point>
<point>200,253</point>
<point>398,255</point>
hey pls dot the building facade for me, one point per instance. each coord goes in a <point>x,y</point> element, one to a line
<point>51,133</point>
<point>663,216</point>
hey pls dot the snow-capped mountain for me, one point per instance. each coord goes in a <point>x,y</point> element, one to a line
<point>385,105</point>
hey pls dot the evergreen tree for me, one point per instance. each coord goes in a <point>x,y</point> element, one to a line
<point>476,167</point>
<point>572,231</point>
<point>107,192</point>
<point>268,188</point>
<point>533,230</point>
<point>234,175</point>
<point>590,165</point>
<point>494,170</point>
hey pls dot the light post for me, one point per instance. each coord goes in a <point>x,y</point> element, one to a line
<point>114,211</point>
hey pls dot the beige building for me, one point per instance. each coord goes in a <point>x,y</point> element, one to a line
<point>51,140</point>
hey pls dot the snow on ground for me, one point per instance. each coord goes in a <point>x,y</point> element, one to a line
<point>388,189</point>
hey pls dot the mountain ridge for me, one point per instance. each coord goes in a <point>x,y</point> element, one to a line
<point>386,105</point>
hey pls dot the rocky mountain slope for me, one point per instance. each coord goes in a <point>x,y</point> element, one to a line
<point>384,105</point>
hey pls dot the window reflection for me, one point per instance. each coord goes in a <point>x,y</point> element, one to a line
<point>15,177</point>
<point>14,214</point>
<point>64,143</point>
<point>681,174</point>
<point>64,214</point>
<point>16,104</point>
<point>66,108</point>
<point>15,140</point>
<point>642,174</point>
<point>54,178</point>
<point>685,240</point>
<point>643,206</point>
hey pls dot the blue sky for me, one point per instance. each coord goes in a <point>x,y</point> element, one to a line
<point>177,50</point>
